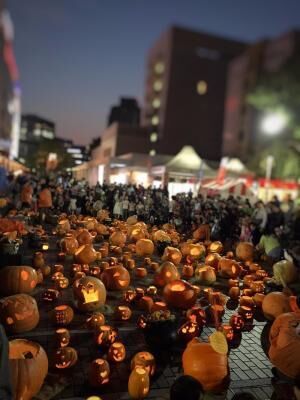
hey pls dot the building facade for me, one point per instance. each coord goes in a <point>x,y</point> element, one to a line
<point>185,91</point>
<point>127,112</point>
<point>242,134</point>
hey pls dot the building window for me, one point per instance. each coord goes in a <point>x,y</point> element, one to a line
<point>156,103</point>
<point>37,132</point>
<point>153,137</point>
<point>209,54</point>
<point>201,87</point>
<point>159,67</point>
<point>155,120</point>
<point>157,86</point>
<point>152,152</point>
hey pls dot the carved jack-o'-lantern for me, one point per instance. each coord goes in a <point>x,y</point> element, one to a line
<point>167,273</point>
<point>95,320</point>
<point>122,313</point>
<point>57,275</point>
<point>138,383</point>
<point>86,254</point>
<point>212,260</point>
<point>180,294</point>
<point>139,293</point>
<point>116,352</point>
<point>197,314</point>
<point>19,279</point>
<point>145,303</point>
<point>118,238</point>
<point>215,247</point>
<point>65,357</point>
<point>50,295</point>
<point>61,283</point>
<point>246,313</point>
<point>19,313</point>
<point>228,268</point>
<point>257,286</point>
<point>116,278</point>
<point>105,335</point>
<point>193,251</point>
<point>234,293</point>
<point>151,290</point>
<point>95,271</point>
<point>62,315</point>
<point>187,271</point>
<point>140,272</point>
<point>99,372</point>
<point>285,344</point>
<point>62,337</point>
<point>75,268</point>
<point>237,322</point>
<point>84,237</point>
<point>129,295</point>
<point>28,364</point>
<point>188,331</point>
<point>205,275</point>
<point>146,360</point>
<point>89,293</point>
<point>227,330</point>
<point>172,254</point>
<point>58,268</point>
<point>69,244</point>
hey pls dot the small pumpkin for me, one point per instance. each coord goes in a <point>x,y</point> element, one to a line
<point>116,278</point>
<point>144,359</point>
<point>122,313</point>
<point>95,320</point>
<point>116,352</point>
<point>212,259</point>
<point>86,254</point>
<point>62,315</point>
<point>69,244</point>
<point>180,294</point>
<point>105,335</point>
<point>65,357</point>
<point>99,372</point>
<point>215,247</point>
<point>138,383</point>
<point>117,238</point>
<point>188,331</point>
<point>172,254</point>
<point>62,337</point>
<point>205,275</point>
<point>228,268</point>
<point>84,237</point>
<point>167,273</point>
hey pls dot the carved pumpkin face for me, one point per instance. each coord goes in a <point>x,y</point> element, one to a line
<point>62,337</point>
<point>19,313</point>
<point>151,290</point>
<point>57,275</point>
<point>227,331</point>
<point>228,268</point>
<point>65,357</point>
<point>116,352</point>
<point>215,247</point>
<point>58,268</point>
<point>188,331</point>
<point>257,287</point>
<point>123,313</point>
<point>139,293</point>
<point>138,383</point>
<point>116,278</point>
<point>180,294</point>
<point>95,320</point>
<point>237,322</point>
<point>172,254</point>
<point>50,295</point>
<point>89,293</point>
<point>95,271</point>
<point>197,315</point>
<point>62,315</point>
<point>61,283</point>
<point>99,372</point>
<point>146,360</point>
<point>75,268</point>
<point>212,260</point>
<point>106,335</point>
<point>167,273</point>
<point>129,295</point>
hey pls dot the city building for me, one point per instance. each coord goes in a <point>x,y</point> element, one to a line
<point>127,112</point>
<point>242,134</point>
<point>185,91</point>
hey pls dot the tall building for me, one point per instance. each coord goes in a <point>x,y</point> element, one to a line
<point>242,134</point>
<point>127,112</point>
<point>185,91</point>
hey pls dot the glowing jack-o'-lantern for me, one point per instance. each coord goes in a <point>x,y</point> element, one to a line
<point>197,315</point>
<point>257,286</point>
<point>193,251</point>
<point>146,360</point>
<point>95,271</point>
<point>187,271</point>
<point>138,383</point>
<point>167,273</point>
<point>50,295</point>
<point>237,322</point>
<point>212,260</point>
<point>75,268</point>
<point>227,330</point>
<point>28,364</point>
<point>188,331</point>
<point>180,294</point>
<point>228,268</point>
<point>58,268</point>
<point>89,293</point>
<point>129,295</point>
<point>246,313</point>
<point>61,283</point>
<point>57,275</point>
<point>285,344</point>
<point>19,313</point>
<point>86,254</point>
<point>151,290</point>
<point>116,278</point>
<point>172,254</point>
<point>205,275</point>
<point>116,352</point>
<point>95,320</point>
<point>203,363</point>
<point>65,357</point>
<point>261,274</point>
<point>99,372</point>
<point>105,335</point>
<point>62,315</point>
<point>69,244</point>
<point>123,313</point>
<point>245,251</point>
<point>19,279</point>
<point>62,337</point>
<point>215,247</point>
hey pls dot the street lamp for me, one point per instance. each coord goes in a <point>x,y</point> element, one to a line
<point>274,123</point>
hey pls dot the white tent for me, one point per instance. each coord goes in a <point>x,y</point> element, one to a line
<point>188,160</point>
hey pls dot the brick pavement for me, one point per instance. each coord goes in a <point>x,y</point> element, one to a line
<point>250,369</point>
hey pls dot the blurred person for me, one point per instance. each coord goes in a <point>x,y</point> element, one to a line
<point>260,216</point>
<point>26,195</point>
<point>269,244</point>
<point>131,208</point>
<point>44,201</point>
<point>275,217</point>
<point>117,210</point>
<point>246,233</point>
<point>125,207</point>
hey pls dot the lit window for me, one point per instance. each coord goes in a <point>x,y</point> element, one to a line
<point>152,152</point>
<point>159,67</point>
<point>157,86</point>
<point>155,120</point>
<point>37,132</point>
<point>153,137</point>
<point>201,87</point>
<point>156,103</point>
<point>48,134</point>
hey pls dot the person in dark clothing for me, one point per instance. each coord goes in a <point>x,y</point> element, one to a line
<point>5,385</point>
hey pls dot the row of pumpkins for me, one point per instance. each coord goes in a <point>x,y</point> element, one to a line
<point>19,312</point>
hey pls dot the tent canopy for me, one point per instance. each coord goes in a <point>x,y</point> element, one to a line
<point>230,186</point>
<point>188,159</point>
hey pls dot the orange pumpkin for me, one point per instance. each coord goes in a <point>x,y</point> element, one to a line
<point>205,275</point>
<point>180,294</point>
<point>118,238</point>
<point>138,383</point>
<point>116,278</point>
<point>19,279</point>
<point>144,247</point>
<point>84,237</point>
<point>165,274</point>
<point>99,372</point>
<point>194,251</point>
<point>95,320</point>
<point>228,268</point>
<point>245,251</point>
<point>144,359</point>
<point>203,363</point>
<point>69,244</point>
<point>172,254</point>
<point>116,352</point>
<point>212,259</point>
<point>89,293</point>
<point>215,247</point>
<point>86,254</point>
<point>274,304</point>
<point>284,271</point>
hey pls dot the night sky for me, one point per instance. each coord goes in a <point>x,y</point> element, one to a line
<point>77,57</point>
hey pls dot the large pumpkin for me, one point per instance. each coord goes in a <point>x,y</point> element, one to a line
<point>89,293</point>
<point>284,271</point>
<point>245,251</point>
<point>172,254</point>
<point>161,236</point>
<point>19,279</point>
<point>203,363</point>
<point>274,304</point>
<point>180,294</point>
<point>205,274</point>
<point>118,238</point>
<point>69,244</point>
<point>284,337</point>
<point>144,247</point>
<point>228,268</point>
<point>86,254</point>
<point>166,273</point>
<point>195,251</point>
<point>116,278</point>
<point>19,313</point>
<point>84,237</point>
<point>28,365</point>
